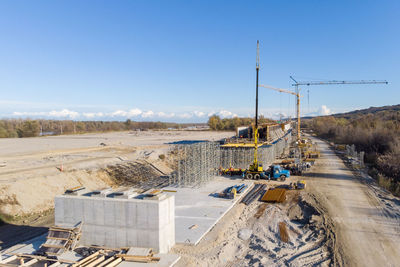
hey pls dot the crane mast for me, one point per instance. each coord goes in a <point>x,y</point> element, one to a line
<point>255,163</point>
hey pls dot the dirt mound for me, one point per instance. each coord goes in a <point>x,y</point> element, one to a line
<point>294,233</point>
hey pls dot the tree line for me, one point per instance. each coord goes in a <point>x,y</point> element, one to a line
<point>230,124</point>
<point>30,128</point>
<point>377,134</point>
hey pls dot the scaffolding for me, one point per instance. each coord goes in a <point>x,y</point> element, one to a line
<point>198,163</point>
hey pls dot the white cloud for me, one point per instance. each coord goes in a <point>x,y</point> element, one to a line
<point>324,110</point>
<point>199,113</point>
<point>185,115</point>
<point>226,114</point>
<point>93,115</point>
<point>148,114</point>
<point>65,113</point>
<point>165,115</point>
<point>134,112</point>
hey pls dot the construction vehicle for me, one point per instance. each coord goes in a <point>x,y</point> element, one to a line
<point>256,169</point>
<point>276,172</point>
<point>297,185</point>
<point>232,171</point>
<point>232,191</point>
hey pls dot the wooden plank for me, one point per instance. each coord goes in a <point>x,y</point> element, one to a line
<point>11,258</point>
<point>95,262</point>
<point>136,258</point>
<point>32,261</point>
<point>58,229</point>
<point>54,264</point>
<point>7,265</point>
<point>57,238</point>
<point>88,258</point>
<point>52,246</point>
<point>43,258</point>
<point>107,261</point>
<point>114,262</point>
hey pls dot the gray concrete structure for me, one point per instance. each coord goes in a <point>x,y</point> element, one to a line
<point>120,222</point>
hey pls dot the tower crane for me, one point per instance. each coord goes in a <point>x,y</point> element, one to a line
<point>332,82</point>
<point>297,94</point>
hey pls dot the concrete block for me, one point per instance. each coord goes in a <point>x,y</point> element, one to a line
<point>117,222</point>
<point>99,208</point>
<point>152,216</point>
<point>109,213</point>
<point>88,211</point>
<point>68,211</point>
<point>120,213</point>
<point>132,237</point>
<point>58,210</point>
<point>120,237</point>
<point>141,213</point>
<point>143,238</point>
<point>131,215</point>
<point>110,236</point>
<point>78,209</point>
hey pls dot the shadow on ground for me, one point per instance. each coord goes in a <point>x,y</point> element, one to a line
<point>12,234</point>
<point>331,176</point>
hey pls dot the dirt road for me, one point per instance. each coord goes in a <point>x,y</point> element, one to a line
<point>367,218</point>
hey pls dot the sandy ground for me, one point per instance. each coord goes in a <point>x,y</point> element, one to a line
<point>30,173</point>
<point>366,217</point>
<point>309,237</point>
<point>342,219</point>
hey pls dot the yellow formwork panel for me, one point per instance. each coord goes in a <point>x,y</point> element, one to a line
<point>274,195</point>
<point>249,145</point>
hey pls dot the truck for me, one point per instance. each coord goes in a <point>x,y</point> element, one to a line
<point>276,172</point>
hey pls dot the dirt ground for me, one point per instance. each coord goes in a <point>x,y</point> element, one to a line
<point>30,168</point>
<point>366,217</point>
<point>342,218</point>
<point>309,237</point>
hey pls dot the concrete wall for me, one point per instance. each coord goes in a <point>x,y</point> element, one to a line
<point>114,222</point>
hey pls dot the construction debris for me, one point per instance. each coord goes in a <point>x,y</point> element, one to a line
<point>60,239</point>
<point>260,210</point>
<point>283,232</point>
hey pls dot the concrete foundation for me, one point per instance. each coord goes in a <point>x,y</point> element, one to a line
<point>120,222</point>
<point>198,209</point>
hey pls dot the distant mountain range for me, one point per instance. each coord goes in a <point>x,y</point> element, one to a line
<point>360,112</point>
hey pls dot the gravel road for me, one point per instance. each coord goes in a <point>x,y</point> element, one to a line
<point>366,218</point>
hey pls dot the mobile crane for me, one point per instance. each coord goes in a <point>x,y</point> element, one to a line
<point>256,169</point>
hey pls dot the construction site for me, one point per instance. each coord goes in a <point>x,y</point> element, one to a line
<point>265,195</point>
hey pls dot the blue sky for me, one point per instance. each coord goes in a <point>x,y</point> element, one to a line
<point>184,60</point>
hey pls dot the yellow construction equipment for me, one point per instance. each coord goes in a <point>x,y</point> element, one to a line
<point>297,103</point>
<point>256,169</point>
<point>297,84</point>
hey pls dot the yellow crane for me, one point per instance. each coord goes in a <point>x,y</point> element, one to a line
<point>333,82</point>
<point>256,168</point>
<point>297,93</point>
<point>297,104</point>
